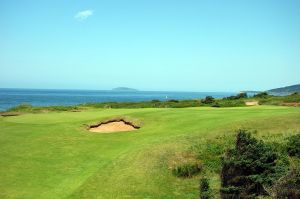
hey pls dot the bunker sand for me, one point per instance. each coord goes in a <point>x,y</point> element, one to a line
<point>252,103</point>
<point>113,126</point>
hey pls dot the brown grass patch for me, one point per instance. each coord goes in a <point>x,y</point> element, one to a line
<point>9,114</point>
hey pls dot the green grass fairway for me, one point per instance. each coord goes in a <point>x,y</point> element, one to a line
<point>52,155</point>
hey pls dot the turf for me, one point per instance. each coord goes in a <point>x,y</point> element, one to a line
<point>52,155</point>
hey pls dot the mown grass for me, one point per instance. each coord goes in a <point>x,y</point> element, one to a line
<point>52,155</point>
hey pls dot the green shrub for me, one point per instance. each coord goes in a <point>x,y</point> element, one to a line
<point>287,186</point>
<point>261,95</point>
<point>21,107</point>
<point>205,191</point>
<point>293,145</point>
<point>231,103</point>
<point>216,105</point>
<point>247,168</point>
<point>155,101</point>
<point>173,100</point>
<point>61,108</point>
<point>187,169</point>
<point>279,100</point>
<point>242,95</point>
<point>208,100</point>
<point>238,96</point>
<point>210,151</point>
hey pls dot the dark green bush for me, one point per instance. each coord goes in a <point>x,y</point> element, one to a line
<point>261,95</point>
<point>293,145</point>
<point>205,191</point>
<point>279,100</point>
<point>147,104</point>
<point>155,100</point>
<point>242,95</point>
<point>235,97</point>
<point>187,169</point>
<point>288,186</point>
<point>208,100</point>
<point>247,168</point>
<point>231,103</point>
<point>216,105</point>
<point>173,100</point>
<point>21,107</point>
<point>61,108</point>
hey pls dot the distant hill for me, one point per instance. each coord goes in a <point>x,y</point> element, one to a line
<point>124,89</point>
<point>287,89</point>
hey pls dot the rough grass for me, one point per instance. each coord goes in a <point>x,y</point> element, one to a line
<point>52,155</point>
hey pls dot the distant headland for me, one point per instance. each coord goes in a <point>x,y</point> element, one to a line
<point>287,89</point>
<point>123,89</point>
<point>278,91</point>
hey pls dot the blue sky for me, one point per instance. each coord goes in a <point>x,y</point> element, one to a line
<point>192,45</point>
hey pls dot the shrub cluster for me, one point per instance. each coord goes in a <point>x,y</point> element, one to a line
<point>280,100</point>
<point>205,191</point>
<point>21,107</point>
<point>247,168</point>
<point>30,108</point>
<point>261,95</point>
<point>187,169</point>
<point>293,145</point>
<point>147,104</point>
<point>231,103</point>
<point>287,186</point>
<point>238,96</point>
<point>208,100</point>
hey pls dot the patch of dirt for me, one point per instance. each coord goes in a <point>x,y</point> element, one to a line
<point>113,126</point>
<point>291,104</point>
<point>75,111</point>
<point>9,114</point>
<point>252,103</point>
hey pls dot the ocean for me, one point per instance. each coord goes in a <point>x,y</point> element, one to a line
<point>50,97</point>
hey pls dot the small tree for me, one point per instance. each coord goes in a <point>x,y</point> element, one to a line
<point>241,95</point>
<point>247,168</point>
<point>261,95</point>
<point>208,100</point>
<point>293,145</point>
<point>288,186</point>
<point>238,96</point>
<point>205,191</point>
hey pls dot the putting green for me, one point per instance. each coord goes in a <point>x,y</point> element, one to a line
<point>53,155</point>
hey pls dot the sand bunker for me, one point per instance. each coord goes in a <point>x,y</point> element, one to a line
<point>113,126</point>
<point>253,103</point>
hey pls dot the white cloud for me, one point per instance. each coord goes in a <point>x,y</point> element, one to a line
<point>82,15</point>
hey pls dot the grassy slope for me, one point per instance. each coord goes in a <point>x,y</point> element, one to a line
<point>51,155</point>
